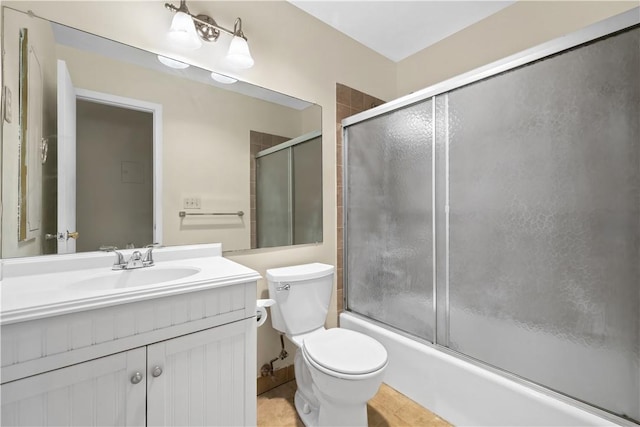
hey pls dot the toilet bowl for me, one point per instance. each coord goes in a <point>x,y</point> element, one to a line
<point>337,370</point>
<point>347,369</point>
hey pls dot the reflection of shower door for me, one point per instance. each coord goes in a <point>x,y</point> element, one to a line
<point>289,193</point>
<point>273,199</point>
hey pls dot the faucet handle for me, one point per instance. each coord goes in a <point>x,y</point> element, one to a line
<point>147,260</point>
<point>119,263</point>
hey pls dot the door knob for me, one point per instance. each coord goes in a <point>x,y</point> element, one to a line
<point>63,236</point>
<point>156,371</point>
<point>136,378</point>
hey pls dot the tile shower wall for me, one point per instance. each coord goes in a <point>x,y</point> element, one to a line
<point>349,102</point>
<point>258,141</point>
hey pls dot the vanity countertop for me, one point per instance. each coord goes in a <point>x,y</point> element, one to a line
<point>33,288</point>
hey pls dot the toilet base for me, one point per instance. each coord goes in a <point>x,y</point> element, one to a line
<point>307,413</point>
<point>352,415</point>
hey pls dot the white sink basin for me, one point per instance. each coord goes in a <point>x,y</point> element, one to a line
<point>134,278</point>
<point>38,287</point>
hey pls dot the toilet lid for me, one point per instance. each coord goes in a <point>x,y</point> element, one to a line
<point>345,351</point>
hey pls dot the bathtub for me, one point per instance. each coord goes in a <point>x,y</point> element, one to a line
<point>467,395</point>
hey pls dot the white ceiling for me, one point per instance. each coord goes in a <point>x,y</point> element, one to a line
<point>398,29</point>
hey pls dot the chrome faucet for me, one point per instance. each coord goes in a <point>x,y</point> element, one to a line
<point>136,260</point>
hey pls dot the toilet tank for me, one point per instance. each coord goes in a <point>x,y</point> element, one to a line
<point>302,294</point>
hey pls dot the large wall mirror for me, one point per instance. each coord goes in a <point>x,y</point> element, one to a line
<point>104,145</point>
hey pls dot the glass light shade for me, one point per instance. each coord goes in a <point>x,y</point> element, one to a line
<point>238,55</point>
<point>221,78</point>
<point>172,63</point>
<point>183,32</point>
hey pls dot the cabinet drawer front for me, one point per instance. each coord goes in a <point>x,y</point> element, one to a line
<point>205,378</point>
<point>97,392</point>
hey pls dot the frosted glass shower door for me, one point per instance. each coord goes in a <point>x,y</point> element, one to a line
<point>544,222</point>
<point>389,211</point>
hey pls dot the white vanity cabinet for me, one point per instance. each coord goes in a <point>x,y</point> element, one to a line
<point>179,354</point>
<point>202,378</point>
<point>97,392</point>
<point>197,379</point>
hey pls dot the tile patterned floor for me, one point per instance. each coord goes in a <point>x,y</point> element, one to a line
<point>388,408</point>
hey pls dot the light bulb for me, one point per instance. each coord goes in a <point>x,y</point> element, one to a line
<point>183,32</point>
<point>238,55</point>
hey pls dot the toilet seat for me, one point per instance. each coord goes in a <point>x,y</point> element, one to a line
<point>345,353</point>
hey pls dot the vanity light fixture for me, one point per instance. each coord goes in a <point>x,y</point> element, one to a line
<point>188,31</point>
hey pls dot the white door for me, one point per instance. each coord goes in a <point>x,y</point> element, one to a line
<point>66,160</point>
<point>204,379</point>
<point>98,392</point>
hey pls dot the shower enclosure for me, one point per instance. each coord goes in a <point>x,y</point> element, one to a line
<point>497,215</point>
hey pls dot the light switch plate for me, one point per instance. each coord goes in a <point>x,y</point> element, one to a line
<point>191,203</point>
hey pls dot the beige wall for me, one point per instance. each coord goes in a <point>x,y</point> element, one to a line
<point>311,117</point>
<point>520,26</point>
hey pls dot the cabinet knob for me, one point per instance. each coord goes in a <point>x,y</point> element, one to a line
<point>136,378</point>
<point>156,371</point>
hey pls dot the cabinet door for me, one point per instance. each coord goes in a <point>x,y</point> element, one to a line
<point>97,392</point>
<point>205,378</point>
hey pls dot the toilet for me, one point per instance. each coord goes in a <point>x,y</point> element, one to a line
<point>337,370</point>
